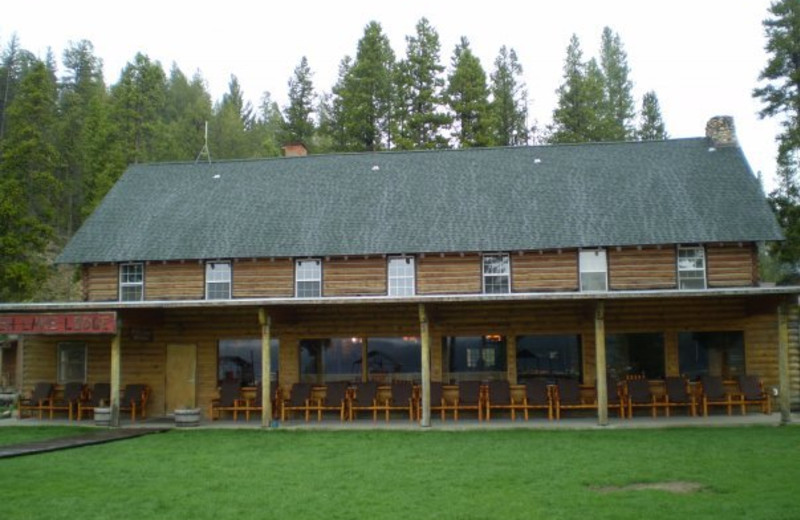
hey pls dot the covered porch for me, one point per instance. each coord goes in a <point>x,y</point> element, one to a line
<point>184,350</point>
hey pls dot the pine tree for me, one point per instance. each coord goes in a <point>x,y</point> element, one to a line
<point>619,109</point>
<point>299,124</point>
<point>231,134</point>
<point>270,128</point>
<point>363,97</point>
<point>188,109</point>
<point>468,98</point>
<point>333,125</point>
<point>82,128</point>
<point>28,185</point>
<point>138,104</point>
<point>419,117</point>
<point>780,96</point>
<point>578,117</point>
<point>652,126</point>
<point>15,64</point>
<point>509,104</point>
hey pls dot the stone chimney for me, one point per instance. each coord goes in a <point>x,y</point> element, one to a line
<point>294,150</point>
<point>721,131</point>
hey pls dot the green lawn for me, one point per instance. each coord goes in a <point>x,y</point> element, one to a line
<point>216,474</point>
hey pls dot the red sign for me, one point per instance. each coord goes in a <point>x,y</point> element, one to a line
<point>78,323</point>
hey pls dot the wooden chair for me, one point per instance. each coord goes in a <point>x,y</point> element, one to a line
<point>469,399</point>
<point>99,395</point>
<point>299,400</point>
<point>134,399</point>
<point>402,399</point>
<point>438,402</point>
<point>537,397</point>
<point>256,404</point>
<point>335,400</point>
<point>714,394</point>
<point>365,398</point>
<point>638,395</point>
<point>499,398</point>
<point>751,392</point>
<point>39,399</point>
<point>615,396</point>
<point>69,401</point>
<point>567,396</point>
<point>229,400</point>
<point>678,396</point>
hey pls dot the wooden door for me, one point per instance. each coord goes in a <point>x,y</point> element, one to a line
<point>180,377</point>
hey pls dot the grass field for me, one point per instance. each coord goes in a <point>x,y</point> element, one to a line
<point>751,472</point>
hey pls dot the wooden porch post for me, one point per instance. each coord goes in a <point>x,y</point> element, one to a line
<point>116,372</point>
<point>600,361</point>
<point>783,363</point>
<point>425,338</point>
<point>266,368</point>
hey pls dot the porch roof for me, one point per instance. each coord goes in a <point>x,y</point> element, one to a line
<point>475,200</point>
<point>378,300</point>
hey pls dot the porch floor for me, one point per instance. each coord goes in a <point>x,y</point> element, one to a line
<point>576,422</point>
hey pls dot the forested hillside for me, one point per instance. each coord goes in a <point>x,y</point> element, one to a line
<point>66,135</point>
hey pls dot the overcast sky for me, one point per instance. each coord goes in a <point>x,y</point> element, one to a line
<point>702,57</point>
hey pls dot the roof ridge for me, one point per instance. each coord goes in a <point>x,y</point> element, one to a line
<point>418,152</point>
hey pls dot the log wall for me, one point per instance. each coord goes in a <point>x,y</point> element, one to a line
<point>630,268</point>
<point>634,269</point>
<point>730,265</point>
<point>263,278</point>
<point>101,282</point>
<point>545,271</point>
<point>354,276</point>
<point>451,274</point>
<point>174,281</point>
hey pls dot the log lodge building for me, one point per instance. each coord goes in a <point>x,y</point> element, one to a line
<point>579,261</point>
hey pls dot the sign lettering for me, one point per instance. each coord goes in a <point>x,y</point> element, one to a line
<point>72,323</point>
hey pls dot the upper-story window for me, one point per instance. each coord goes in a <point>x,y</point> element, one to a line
<point>308,278</point>
<point>496,274</point>
<point>218,280</point>
<point>401,276</point>
<point>594,270</point>
<point>131,282</point>
<point>691,268</point>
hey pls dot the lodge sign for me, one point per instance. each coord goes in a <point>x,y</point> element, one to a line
<point>61,323</point>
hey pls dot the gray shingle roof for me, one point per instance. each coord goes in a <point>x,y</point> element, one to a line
<point>497,199</point>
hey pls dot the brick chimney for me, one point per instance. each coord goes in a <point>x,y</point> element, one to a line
<point>721,131</point>
<point>294,150</point>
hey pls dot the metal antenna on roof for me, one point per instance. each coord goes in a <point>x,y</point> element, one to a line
<point>204,151</point>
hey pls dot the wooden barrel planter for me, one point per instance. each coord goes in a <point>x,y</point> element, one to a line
<point>102,416</point>
<point>187,417</point>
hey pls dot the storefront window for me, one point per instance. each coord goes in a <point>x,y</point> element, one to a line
<point>711,353</point>
<point>550,356</point>
<point>476,357</point>
<point>330,359</point>
<point>640,354</point>
<point>240,360</point>
<point>393,359</point>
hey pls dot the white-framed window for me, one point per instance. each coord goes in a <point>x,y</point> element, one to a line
<point>401,276</point>
<point>594,270</point>
<point>131,282</point>
<point>308,278</point>
<point>496,274</point>
<point>218,280</point>
<point>691,267</point>
<point>71,362</point>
